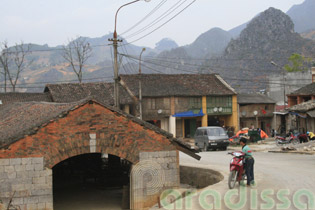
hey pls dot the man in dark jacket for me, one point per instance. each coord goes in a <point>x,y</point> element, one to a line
<point>249,161</point>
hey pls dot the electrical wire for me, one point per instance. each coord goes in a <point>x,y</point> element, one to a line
<point>212,67</point>
<point>148,15</point>
<point>160,18</point>
<point>162,24</point>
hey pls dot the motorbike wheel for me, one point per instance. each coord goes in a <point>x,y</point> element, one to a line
<point>295,141</point>
<point>278,142</point>
<point>232,179</point>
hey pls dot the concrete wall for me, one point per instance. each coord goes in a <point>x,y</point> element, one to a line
<point>155,172</point>
<point>294,81</point>
<point>28,180</point>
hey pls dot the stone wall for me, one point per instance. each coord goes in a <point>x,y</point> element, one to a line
<point>155,172</point>
<point>27,181</point>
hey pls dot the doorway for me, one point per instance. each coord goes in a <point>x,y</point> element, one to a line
<point>91,181</point>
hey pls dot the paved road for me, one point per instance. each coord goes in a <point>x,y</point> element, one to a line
<point>273,171</point>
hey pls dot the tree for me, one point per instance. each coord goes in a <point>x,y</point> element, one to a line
<point>4,62</point>
<point>77,52</point>
<point>12,61</point>
<point>298,63</point>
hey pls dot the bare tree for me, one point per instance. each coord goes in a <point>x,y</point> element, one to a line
<point>13,62</point>
<point>4,62</point>
<point>77,52</point>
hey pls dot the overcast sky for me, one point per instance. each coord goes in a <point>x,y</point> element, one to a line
<point>53,22</point>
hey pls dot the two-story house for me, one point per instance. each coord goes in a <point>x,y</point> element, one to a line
<point>179,103</point>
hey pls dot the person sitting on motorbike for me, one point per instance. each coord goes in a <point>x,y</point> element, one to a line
<point>249,161</point>
<point>311,135</point>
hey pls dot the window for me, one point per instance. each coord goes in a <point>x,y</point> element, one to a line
<point>195,102</point>
<point>216,132</point>
<point>151,103</point>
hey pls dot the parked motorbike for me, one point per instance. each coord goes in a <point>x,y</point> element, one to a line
<point>289,139</point>
<point>237,173</point>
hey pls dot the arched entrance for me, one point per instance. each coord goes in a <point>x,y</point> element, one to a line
<point>91,181</point>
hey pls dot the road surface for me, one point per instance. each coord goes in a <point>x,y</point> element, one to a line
<point>278,176</point>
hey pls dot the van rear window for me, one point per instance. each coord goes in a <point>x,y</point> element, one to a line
<point>216,132</point>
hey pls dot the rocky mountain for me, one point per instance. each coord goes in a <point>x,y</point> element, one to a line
<point>165,44</point>
<point>268,37</point>
<point>303,16</point>
<point>208,44</point>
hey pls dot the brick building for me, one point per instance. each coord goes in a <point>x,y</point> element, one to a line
<point>38,138</point>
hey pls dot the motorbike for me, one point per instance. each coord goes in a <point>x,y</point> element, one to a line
<point>289,139</point>
<point>237,172</point>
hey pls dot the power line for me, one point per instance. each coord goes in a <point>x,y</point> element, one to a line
<point>157,20</point>
<point>163,23</point>
<point>212,67</point>
<point>65,81</point>
<point>148,15</point>
<point>235,79</point>
<point>56,49</point>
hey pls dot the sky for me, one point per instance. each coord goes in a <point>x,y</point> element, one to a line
<point>54,22</point>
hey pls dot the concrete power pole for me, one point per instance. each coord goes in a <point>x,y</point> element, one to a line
<point>116,77</point>
<point>115,44</point>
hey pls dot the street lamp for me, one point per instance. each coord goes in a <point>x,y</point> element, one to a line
<point>115,44</point>
<point>140,91</point>
<point>284,81</point>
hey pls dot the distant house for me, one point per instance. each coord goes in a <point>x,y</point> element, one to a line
<point>9,98</point>
<point>256,110</point>
<point>301,95</point>
<point>304,116</point>
<point>180,103</point>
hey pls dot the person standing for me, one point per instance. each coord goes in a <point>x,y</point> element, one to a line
<point>311,135</point>
<point>249,161</point>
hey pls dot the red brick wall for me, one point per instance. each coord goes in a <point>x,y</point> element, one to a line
<point>69,136</point>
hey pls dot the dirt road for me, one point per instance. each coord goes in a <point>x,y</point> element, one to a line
<point>280,177</point>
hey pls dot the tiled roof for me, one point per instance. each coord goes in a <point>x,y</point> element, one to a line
<point>9,98</point>
<point>254,99</point>
<point>157,85</point>
<point>100,91</point>
<point>21,119</point>
<point>306,90</point>
<point>303,107</point>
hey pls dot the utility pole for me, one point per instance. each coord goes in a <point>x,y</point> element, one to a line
<point>140,88</point>
<point>115,41</point>
<point>116,76</point>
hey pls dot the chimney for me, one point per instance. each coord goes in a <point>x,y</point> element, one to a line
<point>313,74</point>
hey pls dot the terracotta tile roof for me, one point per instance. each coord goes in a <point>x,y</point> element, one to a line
<point>306,90</point>
<point>9,98</point>
<point>254,99</point>
<point>157,85</point>
<point>20,119</point>
<point>303,107</point>
<point>100,91</point>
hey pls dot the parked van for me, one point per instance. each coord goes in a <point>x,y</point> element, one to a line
<point>212,137</point>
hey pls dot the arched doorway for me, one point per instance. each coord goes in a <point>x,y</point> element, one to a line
<point>91,181</point>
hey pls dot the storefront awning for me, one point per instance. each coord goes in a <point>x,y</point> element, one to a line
<point>297,114</point>
<point>189,114</point>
